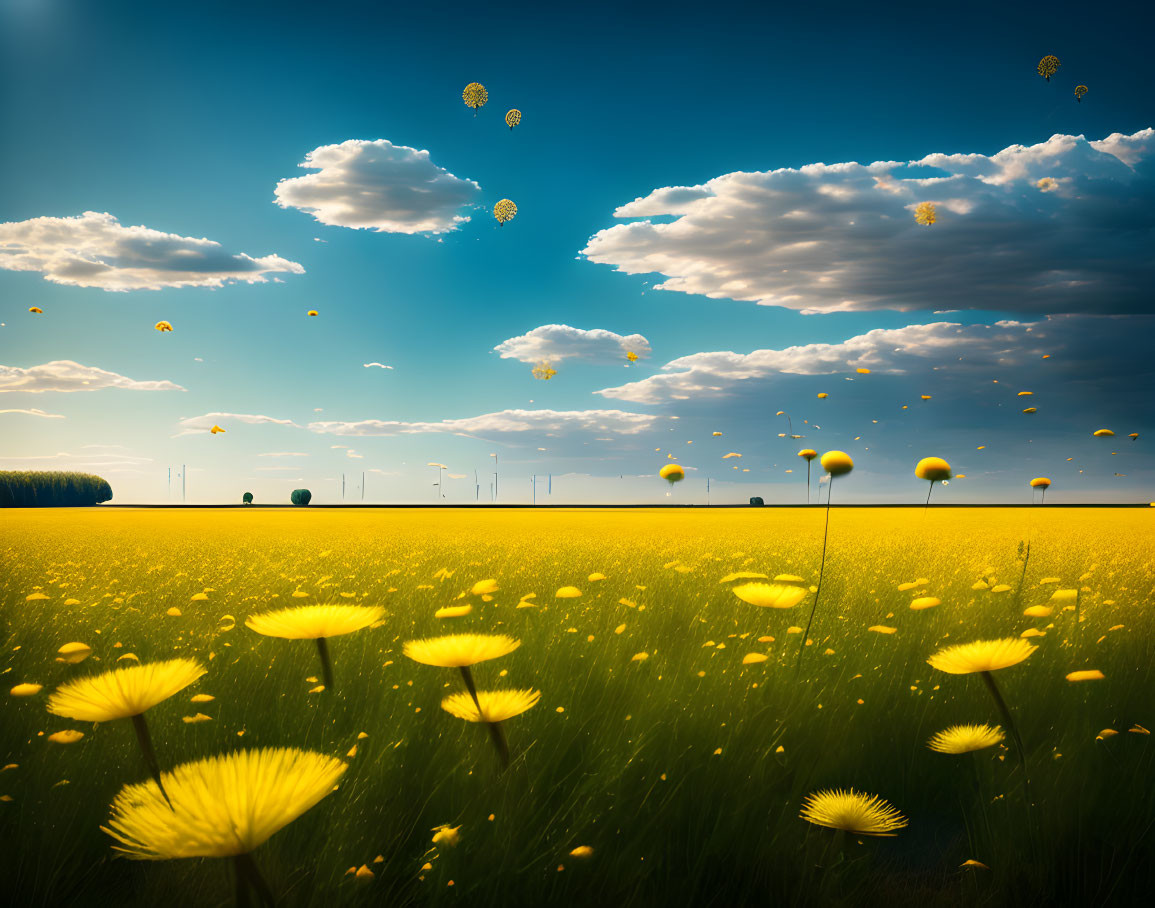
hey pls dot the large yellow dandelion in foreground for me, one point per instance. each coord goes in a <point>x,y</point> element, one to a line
<point>125,692</point>
<point>924,213</point>
<point>770,595</point>
<point>853,812</point>
<point>496,705</point>
<point>981,656</point>
<point>460,650</point>
<point>223,806</point>
<point>962,739</point>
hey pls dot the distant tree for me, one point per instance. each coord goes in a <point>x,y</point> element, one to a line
<point>301,496</point>
<point>247,498</point>
<point>757,501</point>
<point>52,489</point>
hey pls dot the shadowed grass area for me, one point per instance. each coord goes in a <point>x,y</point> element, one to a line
<point>619,755</point>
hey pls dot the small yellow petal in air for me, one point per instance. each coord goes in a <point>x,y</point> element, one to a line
<point>317,689</point>
<point>751,658</point>
<point>364,873</point>
<point>582,851</point>
<point>882,629</point>
<point>194,720</point>
<point>639,657</point>
<point>1138,730</point>
<point>29,689</point>
<point>1089,674</point>
<point>74,653</point>
<point>1105,734</point>
<point>568,592</point>
<point>202,698</point>
<point>33,597</point>
<point>453,611</point>
<point>484,587</point>
<point>595,577</point>
<point>925,602</point>
<point>199,597</point>
<point>446,835</point>
<point>619,628</point>
<point>352,752</point>
<point>68,736</point>
<point>978,865</point>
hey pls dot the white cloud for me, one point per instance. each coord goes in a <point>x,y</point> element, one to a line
<point>842,237</point>
<point>558,342</point>
<point>945,348</point>
<point>95,250</point>
<point>377,365</point>
<point>66,375</point>
<point>505,424</point>
<point>35,412</point>
<point>195,425</point>
<point>380,186</point>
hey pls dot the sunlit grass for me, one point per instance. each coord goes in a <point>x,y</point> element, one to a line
<point>677,778</point>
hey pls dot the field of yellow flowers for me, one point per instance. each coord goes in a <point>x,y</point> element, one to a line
<point>681,724</point>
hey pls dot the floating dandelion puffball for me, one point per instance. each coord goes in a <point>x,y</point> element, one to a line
<point>459,650</point>
<point>496,705</point>
<point>853,812</point>
<point>1040,482</point>
<point>981,656</point>
<point>672,472</point>
<point>962,739</point>
<point>512,118</point>
<point>770,595</point>
<point>504,210</point>
<point>836,463</point>
<point>163,326</point>
<point>925,214</point>
<point>221,806</point>
<point>1048,66</point>
<point>543,371</point>
<point>124,692</point>
<point>933,469</point>
<point>315,622</point>
<point>474,95</point>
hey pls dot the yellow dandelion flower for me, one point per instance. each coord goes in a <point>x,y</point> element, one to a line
<point>925,214</point>
<point>925,602</point>
<point>220,806</point>
<point>934,469</point>
<point>1040,482</point>
<point>505,210</point>
<point>74,653</point>
<point>310,622</point>
<point>496,705</point>
<point>770,595</point>
<point>484,587</point>
<point>596,576</point>
<point>962,739</point>
<point>568,592</point>
<point>672,472</point>
<point>807,453</point>
<point>474,95</point>
<point>460,650</point>
<point>981,656</point>
<point>1038,611</point>
<point>853,812</point>
<point>836,463</point>
<point>123,692</point>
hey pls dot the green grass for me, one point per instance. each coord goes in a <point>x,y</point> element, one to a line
<point>629,766</point>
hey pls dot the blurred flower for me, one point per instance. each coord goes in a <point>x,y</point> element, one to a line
<point>496,705</point>
<point>309,622</point>
<point>460,650</point>
<point>961,739</point>
<point>853,812</point>
<point>981,656</point>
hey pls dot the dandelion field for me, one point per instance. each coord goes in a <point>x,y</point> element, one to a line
<point>678,776</point>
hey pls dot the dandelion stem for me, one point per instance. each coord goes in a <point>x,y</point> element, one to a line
<point>246,865</point>
<point>470,686</point>
<point>326,662</point>
<point>817,592</point>
<point>145,740</point>
<point>243,892</point>
<point>808,482</point>
<point>1012,728</point>
<point>498,736</point>
<point>927,505</point>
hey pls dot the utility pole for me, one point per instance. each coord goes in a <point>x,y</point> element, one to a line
<point>494,456</point>
<point>535,489</point>
<point>707,491</point>
<point>342,487</point>
<point>183,477</point>
<point>170,483</point>
<point>362,485</point>
<point>476,487</point>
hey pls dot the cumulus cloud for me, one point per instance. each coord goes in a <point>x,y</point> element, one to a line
<point>1082,344</point>
<point>557,342</point>
<point>35,412</point>
<point>196,425</point>
<point>505,424</point>
<point>378,186</point>
<point>95,250</point>
<point>66,375</point>
<point>842,237</point>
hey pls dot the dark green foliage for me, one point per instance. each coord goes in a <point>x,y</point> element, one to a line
<point>757,501</point>
<point>247,498</point>
<point>301,496</point>
<point>51,489</point>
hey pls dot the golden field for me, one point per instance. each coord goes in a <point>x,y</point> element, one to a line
<point>673,778</point>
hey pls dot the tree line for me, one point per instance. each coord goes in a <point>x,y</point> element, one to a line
<point>51,489</point>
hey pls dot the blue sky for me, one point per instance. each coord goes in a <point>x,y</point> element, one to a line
<point>185,120</point>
